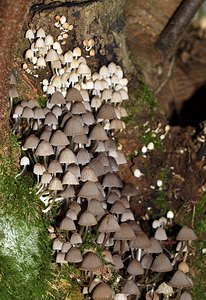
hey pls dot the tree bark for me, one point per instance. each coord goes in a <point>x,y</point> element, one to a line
<point>12,13</point>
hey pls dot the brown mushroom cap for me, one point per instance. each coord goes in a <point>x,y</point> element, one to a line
<point>161,264</point>
<point>55,167</point>
<point>109,224</point>
<point>44,149</point>
<point>67,224</point>
<point>180,280</point>
<point>31,142</point>
<point>135,268</point>
<point>90,190</point>
<point>57,98</point>
<point>55,184</point>
<point>87,219</point>
<point>73,95</point>
<point>59,138</point>
<point>102,292</point>
<point>98,133</point>
<point>186,234</point>
<point>130,288</point>
<point>95,207</point>
<point>91,262</point>
<point>125,233</point>
<point>74,255</point>
<point>155,247</point>
<point>185,296</point>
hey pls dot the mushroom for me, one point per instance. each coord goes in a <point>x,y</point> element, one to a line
<point>23,162</point>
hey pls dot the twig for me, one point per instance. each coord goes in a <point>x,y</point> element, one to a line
<point>177,25</point>
<point>169,73</point>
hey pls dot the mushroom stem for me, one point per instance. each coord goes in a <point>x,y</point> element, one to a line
<point>179,253</point>
<point>22,171</point>
<point>139,254</point>
<point>106,238</point>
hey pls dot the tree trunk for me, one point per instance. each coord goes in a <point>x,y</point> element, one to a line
<point>12,13</point>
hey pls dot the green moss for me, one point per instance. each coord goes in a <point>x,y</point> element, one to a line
<point>199,259</point>
<point>146,98</point>
<point>42,100</point>
<point>24,243</point>
<point>143,101</point>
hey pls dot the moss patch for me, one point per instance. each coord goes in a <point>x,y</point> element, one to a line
<point>24,243</point>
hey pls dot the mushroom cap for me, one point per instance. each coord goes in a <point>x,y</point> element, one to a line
<point>146,261</point>
<point>125,233</point>
<point>102,292</point>
<point>59,138</point>
<point>141,241</point>
<point>13,93</point>
<point>74,255</point>
<point>186,234</point>
<point>65,247</point>
<point>69,192</point>
<point>44,149</point>
<point>185,296</point>
<point>74,169</point>
<point>31,142</point>
<point>129,190</point>
<point>87,219</point>
<point>60,258</point>
<point>46,178</point>
<point>160,234</point>
<point>98,133</point>
<point>55,184</point>
<point>161,264</point>
<point>90,190</point>
<point>165,289</point>
<point>130,288</point>
<point>155,247</point>
<point>50,119</point>
<point>88,174</point>
<point>52,55</point>
<point>95,207</point>
<point>91,262</point>
<point>74,126</point>
<point>180,280</point>
<point>55,167</point>
<point>109,224</point>
<point>57,98</point>
<point>112,180</point>
<point>75,238</point>
<point>73,95</point>
<point>78,108</point>
<point>184,267</point>
<point>27,113</point>
<point>39,169</point>
<point>67,224</point>
<point>83,156</point>
<point>57,244</point>
<point>70,178</point>
<point>118,208</point>
<point>135,268</point>
<point>67,157</point>
<point>106,111</point>
<point>118,261</point>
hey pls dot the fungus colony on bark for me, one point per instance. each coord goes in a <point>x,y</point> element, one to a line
<point>70,145</point>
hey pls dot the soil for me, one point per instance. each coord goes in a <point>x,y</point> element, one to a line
<point>179,163</point>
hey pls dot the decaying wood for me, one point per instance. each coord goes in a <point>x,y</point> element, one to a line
<point>12,13</point>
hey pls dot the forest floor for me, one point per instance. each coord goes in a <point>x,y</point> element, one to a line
<point>178,135</point>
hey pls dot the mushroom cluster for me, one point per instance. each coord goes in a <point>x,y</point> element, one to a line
<point>70,144</point>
